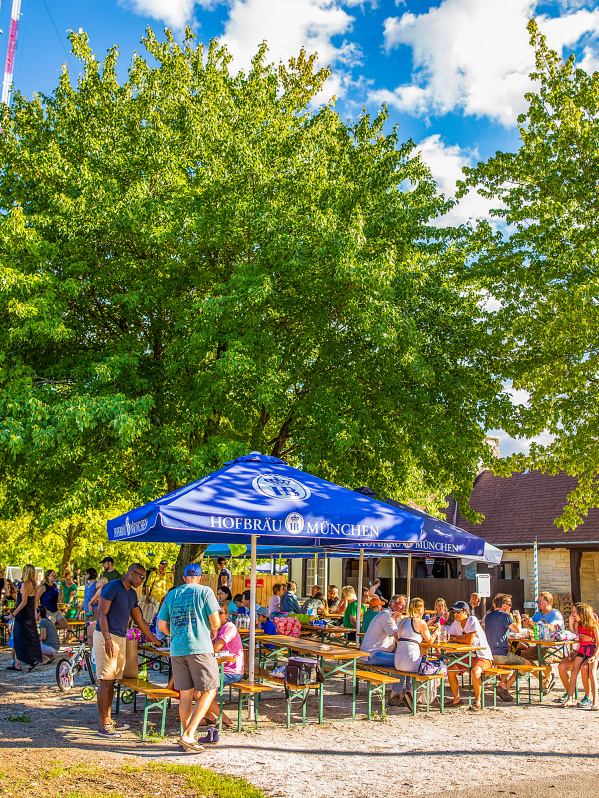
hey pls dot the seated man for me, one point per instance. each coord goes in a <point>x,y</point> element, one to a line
<point>555,620</point>
<point>333,598</point>
<point>498,625</point>
<point>379,643</point>
<point>245,603</point>
<point>467,629</point>
<point>289,602</point>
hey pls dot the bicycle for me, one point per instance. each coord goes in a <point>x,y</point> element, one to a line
<point>68,668</point>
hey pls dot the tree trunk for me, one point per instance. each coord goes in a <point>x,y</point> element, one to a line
<point>189,552</point>
<point>73,533</point>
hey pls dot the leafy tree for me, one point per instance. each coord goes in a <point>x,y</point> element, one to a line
<point>543,269</point>
<point>194,265</point>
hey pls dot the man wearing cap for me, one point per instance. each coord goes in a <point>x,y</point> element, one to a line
<point>157,585</point>
<point>189,616</point>
<point>467,629</point>
<point>110,571</point>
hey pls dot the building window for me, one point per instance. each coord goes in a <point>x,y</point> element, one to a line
<point>509,570</point>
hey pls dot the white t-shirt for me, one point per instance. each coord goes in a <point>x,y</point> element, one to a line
<point>480,639</point>
<point>380,634</point>
<point>273,604</point>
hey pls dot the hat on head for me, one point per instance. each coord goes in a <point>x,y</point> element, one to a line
<point>107,559</point>
<point>461,605</point>
<point>163,562</point>
<point>263,611</point>
<point>193,569</point>
<point>376,602</point>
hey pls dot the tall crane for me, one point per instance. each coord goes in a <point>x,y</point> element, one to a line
<point>10,54</point>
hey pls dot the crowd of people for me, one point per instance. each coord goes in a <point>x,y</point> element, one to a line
<point>198,624</point>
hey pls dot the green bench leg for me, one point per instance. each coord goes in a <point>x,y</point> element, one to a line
<point>414,689</point>
<point>442,696</point>
<point>239,710</point>
<point>369,686</point>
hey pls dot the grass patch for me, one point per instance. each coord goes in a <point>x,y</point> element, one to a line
<point>153,779</point>
<point>19,719</point>
<point>209,784</point>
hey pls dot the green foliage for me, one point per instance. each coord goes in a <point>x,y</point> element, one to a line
<point>544,271</point>
<point>194,265</point>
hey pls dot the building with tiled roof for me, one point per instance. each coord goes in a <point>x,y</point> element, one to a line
<point>523,507</point>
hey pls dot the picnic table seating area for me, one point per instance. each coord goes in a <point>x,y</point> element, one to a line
<point>157,698</point>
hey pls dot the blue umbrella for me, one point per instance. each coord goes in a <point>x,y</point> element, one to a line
<point>258,495</point>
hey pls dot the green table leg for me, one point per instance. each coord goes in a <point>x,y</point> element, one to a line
<point>222,695</point>
<point>442,694</point>
<point>320,697</point>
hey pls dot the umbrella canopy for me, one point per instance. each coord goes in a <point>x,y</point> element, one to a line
<point>258,495</point>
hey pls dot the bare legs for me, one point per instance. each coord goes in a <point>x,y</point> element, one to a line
<point>190,717</point>
<point>105,694</point>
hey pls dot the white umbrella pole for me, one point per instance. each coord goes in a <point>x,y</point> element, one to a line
<point>326,578</point>
<point>409,587</point>
<point>392,576</point>
<point>316,569</point>
<point>252,647</point>
<point>360,583</point>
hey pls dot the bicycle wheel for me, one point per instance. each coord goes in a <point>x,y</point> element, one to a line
<point>127,696</point>
<point>88,693</point>
<point>64,675</point>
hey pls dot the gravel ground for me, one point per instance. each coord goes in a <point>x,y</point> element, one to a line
<point>535,751</point>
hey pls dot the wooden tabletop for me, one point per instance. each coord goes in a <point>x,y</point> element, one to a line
<point>458,648</point>
<point>165,652</point>
<point>311,647</point>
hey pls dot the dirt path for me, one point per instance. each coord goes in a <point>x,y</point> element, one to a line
<point>427,756</point>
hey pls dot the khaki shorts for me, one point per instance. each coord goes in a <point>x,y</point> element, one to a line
<point>508,659</point>
<point>196,671</point>
<point>109,668</point>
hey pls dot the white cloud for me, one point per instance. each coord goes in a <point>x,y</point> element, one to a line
<point>289,26</point>
<point>475,56</point>
<point>446,162</point>
<point>175,13</point>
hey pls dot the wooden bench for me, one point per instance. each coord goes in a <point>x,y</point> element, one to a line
<point>293,692</point>
<point>492,676</point>
<point>156,697</point>
<point>247,693</point>
<point>415,677</point>
<point>376,684</point>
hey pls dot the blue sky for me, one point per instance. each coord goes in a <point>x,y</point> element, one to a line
<point>453,72</point>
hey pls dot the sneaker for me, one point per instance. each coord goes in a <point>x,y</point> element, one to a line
<point>562,699</point>
<point>475,708</point>
<point>586,703</point>
<point>108,731</point>
<point>120,726</point>
<point>396,701</point>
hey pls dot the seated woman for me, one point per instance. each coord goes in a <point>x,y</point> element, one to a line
<point>441,615</point>
<point>224,595</point>
<point>412,632</point>
<point>49,640</point>
<point>315,605</point>
<point>227,641</point>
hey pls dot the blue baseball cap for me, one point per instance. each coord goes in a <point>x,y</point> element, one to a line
<point>193,569</point>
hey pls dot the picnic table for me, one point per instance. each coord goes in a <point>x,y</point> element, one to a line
<point>328,634</point>
<point>545,650</point>
<point>77,629</point>
<point>346,658</point>
<point>165,653</point>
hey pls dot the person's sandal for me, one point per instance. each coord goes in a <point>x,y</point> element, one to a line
<point>569,703</point>
<point>190,748</point>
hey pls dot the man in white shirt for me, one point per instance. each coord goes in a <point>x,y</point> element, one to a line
<point>379,643</point>
<point>467,629</point>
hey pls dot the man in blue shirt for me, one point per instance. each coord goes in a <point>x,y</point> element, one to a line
<point>224,575</point>
<point>117,603</point>
<point>555,620</point>
<point>498,625</point>
<point>289,602</point>
<point>189,616</point>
